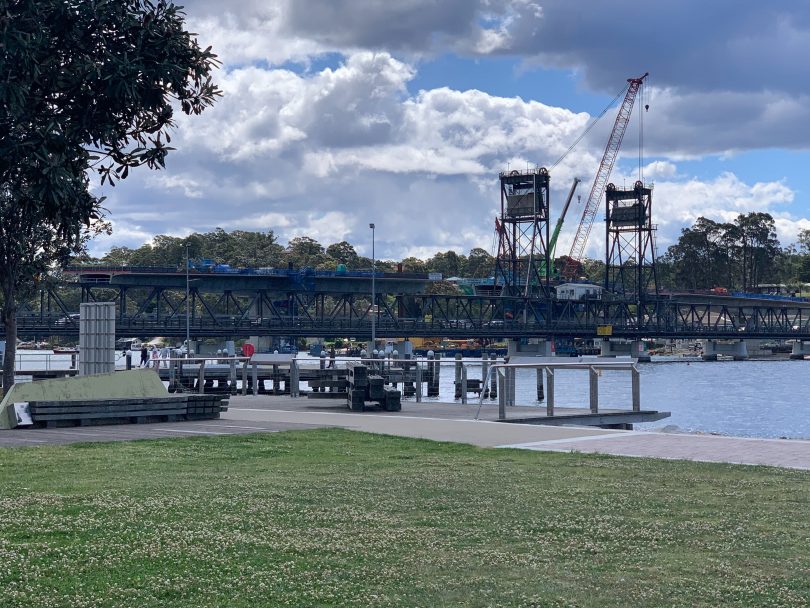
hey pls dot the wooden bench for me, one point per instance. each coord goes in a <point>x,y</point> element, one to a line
<point>137,410</point>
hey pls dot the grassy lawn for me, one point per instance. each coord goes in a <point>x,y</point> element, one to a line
<point>331,517</point>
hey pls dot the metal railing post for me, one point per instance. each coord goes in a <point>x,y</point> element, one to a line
<point>485,375</point>
<point>500,379</point>
<point>594,390</point>
<point>636,388</point>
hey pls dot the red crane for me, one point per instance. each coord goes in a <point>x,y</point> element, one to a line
<point>601,179</point>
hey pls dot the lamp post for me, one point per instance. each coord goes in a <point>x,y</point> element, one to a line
<point>373,293</point>
<point>188,330</point>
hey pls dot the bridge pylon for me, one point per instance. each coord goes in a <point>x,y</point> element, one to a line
<point>630,271</point>
<point>522,266</point>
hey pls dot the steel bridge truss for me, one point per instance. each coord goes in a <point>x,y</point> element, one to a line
<point>162,311</point>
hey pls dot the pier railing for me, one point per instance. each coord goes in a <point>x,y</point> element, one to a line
<point>505,373</point>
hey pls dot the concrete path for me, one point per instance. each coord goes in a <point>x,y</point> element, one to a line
<point>440,422</point>
<point>455,422</point>
<point>129,432</point>
<point>787,453</point>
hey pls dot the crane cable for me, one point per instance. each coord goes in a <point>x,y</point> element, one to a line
<point>641,134</point>
<point>591,126</point>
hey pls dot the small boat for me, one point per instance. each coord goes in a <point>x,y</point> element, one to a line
<point>65,350</point>
<point>128,344</point>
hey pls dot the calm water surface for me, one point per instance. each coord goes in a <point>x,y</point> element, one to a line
<point>742,398</point>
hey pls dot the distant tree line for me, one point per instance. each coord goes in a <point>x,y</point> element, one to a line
<point>736,255</point>
<point>246,249</point>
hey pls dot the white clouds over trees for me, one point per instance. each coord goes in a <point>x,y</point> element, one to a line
<point>293,143</point>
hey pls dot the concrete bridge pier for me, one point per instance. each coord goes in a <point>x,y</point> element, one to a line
<point>530,347</point>
<point>734,348</point>
<point>637,349</point>
<point>800,349</point>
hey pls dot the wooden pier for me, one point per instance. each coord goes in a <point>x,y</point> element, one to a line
<point>331,382</point>
<point>328,381</point>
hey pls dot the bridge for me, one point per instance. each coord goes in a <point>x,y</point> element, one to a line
<point>307,303</point>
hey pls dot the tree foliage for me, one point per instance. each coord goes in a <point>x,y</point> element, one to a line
<point>736,255</point>
<point>84,86</point>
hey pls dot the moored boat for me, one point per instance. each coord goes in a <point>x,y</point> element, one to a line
<point>65,350</point>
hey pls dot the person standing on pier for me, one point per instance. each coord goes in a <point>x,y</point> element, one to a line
<point>144,356</point>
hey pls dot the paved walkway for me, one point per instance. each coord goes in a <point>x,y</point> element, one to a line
<point>675,446</point>
<point>455,422</point>
<point>130,432</point>
<point>440,422</point>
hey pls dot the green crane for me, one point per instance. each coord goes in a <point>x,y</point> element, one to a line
<point>552,244</point>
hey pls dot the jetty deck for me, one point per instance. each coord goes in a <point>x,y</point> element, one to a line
<point>486,412</point>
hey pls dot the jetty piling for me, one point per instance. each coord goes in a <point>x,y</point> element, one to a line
<point>493,389</point>
<point>408,388</point>
<point>457,381</point>
<point>463,383</point>
<point>434,374</point>
<point>550,383</point>
<point>540,395</point>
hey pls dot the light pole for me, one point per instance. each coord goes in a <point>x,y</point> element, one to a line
<point>188,330</point>
<point>373,292</point>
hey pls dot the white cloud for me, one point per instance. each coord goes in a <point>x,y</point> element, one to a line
<point>659,169</point>
<point>320,152</point>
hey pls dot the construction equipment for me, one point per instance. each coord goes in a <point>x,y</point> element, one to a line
<point>552,244</point>
<point>601,179</point>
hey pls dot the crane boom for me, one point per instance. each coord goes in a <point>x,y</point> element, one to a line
<point>552,244</point>
<point>602,175</point>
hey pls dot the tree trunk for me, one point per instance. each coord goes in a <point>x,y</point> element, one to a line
<point>10,321</point>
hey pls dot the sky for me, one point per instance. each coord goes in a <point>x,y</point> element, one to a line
<point>338,113</point>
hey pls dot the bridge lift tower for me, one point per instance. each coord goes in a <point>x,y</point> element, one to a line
<point>629,243</point>
<point>522,265</point>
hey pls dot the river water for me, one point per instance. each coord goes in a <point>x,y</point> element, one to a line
<point>755,398</point>
<point>741,398</point>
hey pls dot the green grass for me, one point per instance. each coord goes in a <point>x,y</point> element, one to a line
<point>331,517</point>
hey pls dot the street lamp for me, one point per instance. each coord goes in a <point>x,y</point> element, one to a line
<point>188,330</point>
<point>373,292</point>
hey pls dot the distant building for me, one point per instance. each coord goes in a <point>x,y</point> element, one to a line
<point>579,291</point>
<point>772,289</point>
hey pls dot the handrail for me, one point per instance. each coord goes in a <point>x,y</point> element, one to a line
<point>593,367</point>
